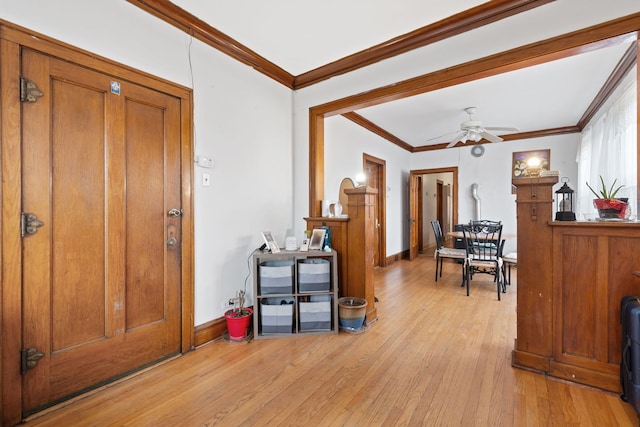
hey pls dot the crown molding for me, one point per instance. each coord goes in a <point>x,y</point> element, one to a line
<point>467,20</point>
<point>459,23</point>
<point>197,28</point>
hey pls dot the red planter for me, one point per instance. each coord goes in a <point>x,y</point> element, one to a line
<point>611,208</point>
<point>238,325</point>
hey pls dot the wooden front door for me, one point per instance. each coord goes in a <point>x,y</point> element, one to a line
<point>102,275</point>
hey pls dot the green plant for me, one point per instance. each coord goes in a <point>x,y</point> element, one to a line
<point>238,309</point>
<point>604,193</point>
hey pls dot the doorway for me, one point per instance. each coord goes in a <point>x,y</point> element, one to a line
<point>433,196</point>
<point>375,172</point>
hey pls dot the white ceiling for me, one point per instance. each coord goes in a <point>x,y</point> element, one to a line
<point>300,36</point>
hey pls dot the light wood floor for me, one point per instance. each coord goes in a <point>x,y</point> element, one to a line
<point>435,357</point>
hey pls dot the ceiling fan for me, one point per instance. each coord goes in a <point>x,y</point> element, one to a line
<point>474,131</point>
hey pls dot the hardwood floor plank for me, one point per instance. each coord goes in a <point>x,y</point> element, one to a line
<point>435,357</point>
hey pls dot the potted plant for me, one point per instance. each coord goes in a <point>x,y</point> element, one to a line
<point>238,318</point>
<point>607,204</point>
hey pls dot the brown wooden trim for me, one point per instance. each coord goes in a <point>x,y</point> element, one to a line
<point>541,133</point>
<point>397,257</point>
<point>530,361</point>
<point>467,20</point>
<point>454,190</point>
<point>597,36</point>
<point>187,238</point>
<point>316,163</point>
<point>358,119</point>
<point>588,39</point>
<point>459,23</point>
<point>622,68</point>
<point>190,24</point>
<point>382,201</point>
<point>593,378</point>
<point>11,269</point>
<point>510,137</point>
<point>210,331</point>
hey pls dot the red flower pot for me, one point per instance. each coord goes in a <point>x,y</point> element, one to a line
<point>611,208</point>
<point>238,323</point>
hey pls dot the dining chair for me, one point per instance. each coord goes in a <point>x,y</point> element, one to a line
<point>482,254</point>
<point>442,252</point>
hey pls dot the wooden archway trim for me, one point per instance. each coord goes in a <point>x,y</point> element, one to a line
<point>610,33</point>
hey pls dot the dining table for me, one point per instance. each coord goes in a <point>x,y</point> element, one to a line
<point>460,235</point>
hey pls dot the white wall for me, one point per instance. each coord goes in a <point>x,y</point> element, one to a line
<point>242,119</point>
<point>345,142</point>
<point>492,173</point>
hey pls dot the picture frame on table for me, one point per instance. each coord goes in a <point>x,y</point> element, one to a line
<point>270,241</point>
<point>317,239</point>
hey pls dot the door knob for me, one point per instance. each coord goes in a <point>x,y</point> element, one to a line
<point>172,241</point>
<point>175,212</point>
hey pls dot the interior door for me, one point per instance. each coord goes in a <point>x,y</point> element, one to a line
<point>101,277</point>
<point>414,242</point>
<point>373,180</point>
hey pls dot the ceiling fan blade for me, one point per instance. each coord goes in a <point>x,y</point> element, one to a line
<point>441,136</point>
<point>491,137</point>
<point>461,137</point>
<point>504,129</point>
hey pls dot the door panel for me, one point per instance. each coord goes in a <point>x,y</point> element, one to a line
<point>375,170</point>
<point>373,180</point>
<point>414,187</point>
<point>101,286</point>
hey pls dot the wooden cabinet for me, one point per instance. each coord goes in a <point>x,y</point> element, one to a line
<point>295,293</point>
<point>354,239</point>
<point>571,278</point>
<point>593,265</point>
<point>534,209</point>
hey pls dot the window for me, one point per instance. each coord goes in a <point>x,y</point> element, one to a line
<point>609,149</point>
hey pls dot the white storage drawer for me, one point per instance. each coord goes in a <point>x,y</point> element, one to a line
<point>314,275</point>
<point>315,316</point>
<point>276,316</point>
<point>276,277</point>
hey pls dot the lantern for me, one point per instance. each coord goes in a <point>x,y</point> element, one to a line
<point>564,198</point>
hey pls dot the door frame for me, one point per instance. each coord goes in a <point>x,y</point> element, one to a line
<point>413,174</point>
<point>12,39</point>
<point>382,203</point>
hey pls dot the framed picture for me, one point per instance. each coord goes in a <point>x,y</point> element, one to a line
<point>271,243</point>
<point>520,164</point>
<point>317,239</point>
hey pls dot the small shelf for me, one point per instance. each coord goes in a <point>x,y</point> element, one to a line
<point>296,293</point>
